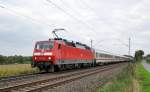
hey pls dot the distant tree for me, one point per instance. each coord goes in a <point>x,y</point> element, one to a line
<point>10,60</point>
<point>21,59</point>
<point>139,55</point>
<point>2,59</point>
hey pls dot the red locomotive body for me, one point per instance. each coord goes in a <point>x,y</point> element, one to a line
<point>60,54</point>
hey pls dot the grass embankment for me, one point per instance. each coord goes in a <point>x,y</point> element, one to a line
<point>16,69</point>
<point>143,77</point>
<point>120,83</point>
<point>134,79</point>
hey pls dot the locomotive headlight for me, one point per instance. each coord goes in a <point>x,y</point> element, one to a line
<point>49,58</point>
<point>48,53</point>
<point>35,58</point>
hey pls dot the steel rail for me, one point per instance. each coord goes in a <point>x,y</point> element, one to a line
<point>52,81</point>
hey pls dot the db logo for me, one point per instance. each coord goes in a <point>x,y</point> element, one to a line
<point>42,52</point>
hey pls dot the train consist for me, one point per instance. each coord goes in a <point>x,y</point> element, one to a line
<point>59,54</point>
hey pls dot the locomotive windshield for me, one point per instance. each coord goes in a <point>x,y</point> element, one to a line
<point>44,46</point>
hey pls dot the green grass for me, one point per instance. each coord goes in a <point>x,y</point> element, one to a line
<point>16,69</point>
<point>121,83</point>
<point>143,77</point>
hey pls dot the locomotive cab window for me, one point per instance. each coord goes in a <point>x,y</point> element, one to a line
<point>44,46</point>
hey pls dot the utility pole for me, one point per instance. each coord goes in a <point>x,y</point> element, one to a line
<point>129,46</point>
<point>91,44</point>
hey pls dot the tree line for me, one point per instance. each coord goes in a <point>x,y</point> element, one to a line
<point>15,59</point>
<point>147,58</point>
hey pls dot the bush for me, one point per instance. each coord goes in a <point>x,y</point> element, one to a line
<point>148,59</point>
<point>120,83</point>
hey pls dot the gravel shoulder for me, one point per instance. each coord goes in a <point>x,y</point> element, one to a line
<point>90,83</point>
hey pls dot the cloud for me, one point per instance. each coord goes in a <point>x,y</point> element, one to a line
<point>99,20</point>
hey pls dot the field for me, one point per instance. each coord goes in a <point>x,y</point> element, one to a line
<point>16,69</point>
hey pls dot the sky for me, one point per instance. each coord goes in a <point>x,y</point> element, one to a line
<point>109,23</point>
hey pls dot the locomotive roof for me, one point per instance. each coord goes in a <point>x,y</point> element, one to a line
<point>74,44</point>
<point>70,43</point>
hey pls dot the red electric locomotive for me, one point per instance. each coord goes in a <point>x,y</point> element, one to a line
<point>58,53</point>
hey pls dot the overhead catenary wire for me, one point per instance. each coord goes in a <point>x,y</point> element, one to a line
<point>41,22</point>
<point>11,10</point>
<point>104,51</point>
<point>37,21</point>
<point>72,9</point>
<point>23,15</point>
<point>92,9</point>
<point>121,43</point>
<point>107,52</point>
<point>66,5</point>
<point>88,6</point>
<point>72,16</point>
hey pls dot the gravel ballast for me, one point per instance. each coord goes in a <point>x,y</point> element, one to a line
<point>90,83</point>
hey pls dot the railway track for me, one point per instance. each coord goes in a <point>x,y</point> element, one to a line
<point>39,85</point>
<point>15,80</point>
<point>11,78</point>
